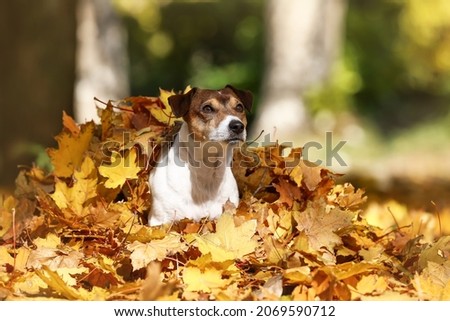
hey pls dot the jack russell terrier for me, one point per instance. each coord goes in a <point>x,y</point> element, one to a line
<point>193,179</point>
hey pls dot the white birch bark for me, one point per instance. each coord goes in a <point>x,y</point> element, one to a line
<point>303,39</point>
<point>101,60</point>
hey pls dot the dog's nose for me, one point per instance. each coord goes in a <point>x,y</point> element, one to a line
<point>236,126</point>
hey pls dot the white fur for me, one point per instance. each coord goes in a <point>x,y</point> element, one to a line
<point>185,184</point>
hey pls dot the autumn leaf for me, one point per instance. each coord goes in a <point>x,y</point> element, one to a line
<point>53,280</point>
<point>5,257</point>
<point>229,242</point>
<point>153,288</point>
<point>80,232</point>
<point>272,289</point>
<point>434,282</point>
<point>306,173</point>
<point>120,169</point>
<point>320,225</point>
<point>6,216</point>
<point>372,284</point>
<point>280,224</point>
<point>164,115</point>
<point>347,197</point>
<point>438,252</point>
<point>53,258</point>
<point>31,284</point>
<point>206,281</point>
<point>144,253</point>
<point>288,192</point>
<point>82,190</point>
<point>100,215</point>
<point>70,125</point>
<point>71,150</point>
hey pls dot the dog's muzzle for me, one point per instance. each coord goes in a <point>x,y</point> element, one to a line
<point>230,130</point>
<point>236,127</point>
<point>236,131</point>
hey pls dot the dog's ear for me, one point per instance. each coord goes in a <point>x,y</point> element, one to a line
<point>245,96</point>
<point>180,103</point>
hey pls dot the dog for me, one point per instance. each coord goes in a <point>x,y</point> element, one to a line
<point>193,179</point>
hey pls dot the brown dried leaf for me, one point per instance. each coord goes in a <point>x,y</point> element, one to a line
<point>320,224</point>
<point>288,192</point>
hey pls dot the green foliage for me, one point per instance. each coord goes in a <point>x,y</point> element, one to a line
<point>395,64</point>
<point>397,48</point>
<point>207,44</point>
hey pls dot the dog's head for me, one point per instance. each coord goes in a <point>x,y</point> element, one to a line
<point>214,115</point>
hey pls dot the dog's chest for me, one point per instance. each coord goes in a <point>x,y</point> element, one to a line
<point>183,191</point>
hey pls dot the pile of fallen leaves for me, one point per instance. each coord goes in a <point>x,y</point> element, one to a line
<point>80,233</point>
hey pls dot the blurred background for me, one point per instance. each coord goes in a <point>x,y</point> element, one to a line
<point>374,73</point>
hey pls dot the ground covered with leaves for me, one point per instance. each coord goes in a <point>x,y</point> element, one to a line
<point>80,233</point>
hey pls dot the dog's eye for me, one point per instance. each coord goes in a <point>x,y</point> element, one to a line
<point>207,109</point>
<point>239,108</point>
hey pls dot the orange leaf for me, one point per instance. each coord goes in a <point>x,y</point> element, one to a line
<point>71,150</point>
<point>70,125</point>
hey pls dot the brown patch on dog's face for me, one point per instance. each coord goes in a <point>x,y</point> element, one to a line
<point>205,111</point>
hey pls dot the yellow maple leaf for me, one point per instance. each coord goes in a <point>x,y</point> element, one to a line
<point>71,150</point>
<point>53,280</point>
<point>144,253</point>
<point>120,169</point>
<point>165,115</point>
<point>230,241</point>
<point>50,241</point>
<point>83,189</point>
<point>206,281</point>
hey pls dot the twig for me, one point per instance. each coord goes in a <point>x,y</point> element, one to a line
<point>14,234</point>
<point>438,216</point>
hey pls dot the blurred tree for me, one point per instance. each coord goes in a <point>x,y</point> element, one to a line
<point>424,44</point>
<point>37,61</point>
<point>102,58</point>
<point>303,39</point>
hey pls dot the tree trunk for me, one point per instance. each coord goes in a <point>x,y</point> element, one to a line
<point>303,39</point>
<point>37,59</point>
<point>101,63</point>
